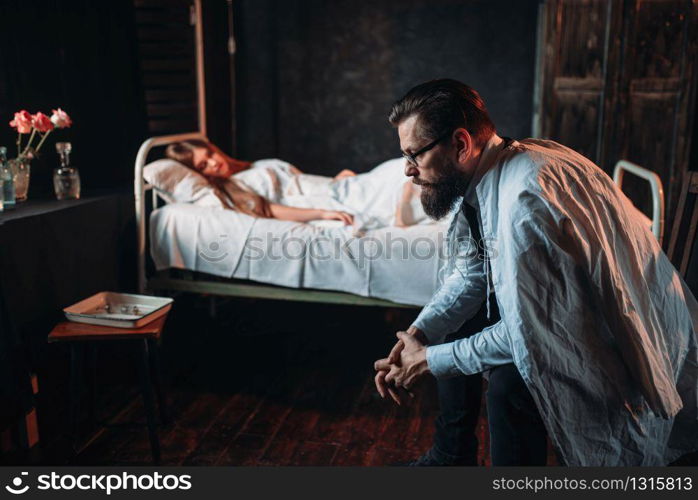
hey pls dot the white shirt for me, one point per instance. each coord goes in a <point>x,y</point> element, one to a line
<point>462,294</point>
<point>596,319</point>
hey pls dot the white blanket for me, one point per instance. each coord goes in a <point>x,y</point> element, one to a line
<point>372,197</point>
<point>397,264</point>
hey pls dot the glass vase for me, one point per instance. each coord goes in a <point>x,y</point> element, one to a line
<point>21,168</point>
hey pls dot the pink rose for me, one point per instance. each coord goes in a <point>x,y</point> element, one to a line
<point>61,119</point>
<point>22,122</point>
<point>41,122</point>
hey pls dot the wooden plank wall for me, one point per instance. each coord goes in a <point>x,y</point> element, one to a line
<point>574,87</point>
<point>619,82</point>
<point>657,87</point>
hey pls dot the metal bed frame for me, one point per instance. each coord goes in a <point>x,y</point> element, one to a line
<point>657,192</point>
<point>211,285</point>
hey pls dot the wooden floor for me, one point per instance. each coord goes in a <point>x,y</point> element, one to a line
<point>262,384</point>
<point>311,421</point>
<point>270,388</point>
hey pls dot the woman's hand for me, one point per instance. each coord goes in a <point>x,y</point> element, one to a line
<point>348,219</point>
<point>283,212</point>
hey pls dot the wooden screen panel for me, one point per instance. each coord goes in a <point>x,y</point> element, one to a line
<point>681,245</point>
<point>574,82</point>
<point>656,92</point>
<point>641,88</point>
<point>686,250</point>
<point>582,25</point>
<point>658,38</point>
<point>576,120</point>
<point>650,142</point>
<point>167,55</point>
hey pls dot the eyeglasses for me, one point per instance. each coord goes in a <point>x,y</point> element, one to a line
<point>412,158</point>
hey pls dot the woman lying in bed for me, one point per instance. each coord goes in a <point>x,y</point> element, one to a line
<point>277,189</point>
<point>220,170</point>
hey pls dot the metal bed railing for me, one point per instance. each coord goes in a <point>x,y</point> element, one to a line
<point>657,192</point>
<point>139,189</point>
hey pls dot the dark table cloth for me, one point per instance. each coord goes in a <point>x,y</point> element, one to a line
<point>53,254</point>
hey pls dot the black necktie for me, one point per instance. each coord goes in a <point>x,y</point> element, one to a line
<point>471,216</point>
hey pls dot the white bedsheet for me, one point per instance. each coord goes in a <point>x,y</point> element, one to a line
<point>397,264</point>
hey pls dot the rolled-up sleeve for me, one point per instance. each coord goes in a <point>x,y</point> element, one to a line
<point>484,350</point>
<point>460,296</point>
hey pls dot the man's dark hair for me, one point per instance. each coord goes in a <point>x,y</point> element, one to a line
<point>443,106</point>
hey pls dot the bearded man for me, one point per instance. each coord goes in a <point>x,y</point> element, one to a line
<point>596,345</point>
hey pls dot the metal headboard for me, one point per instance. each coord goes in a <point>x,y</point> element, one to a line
<point>139,189</point>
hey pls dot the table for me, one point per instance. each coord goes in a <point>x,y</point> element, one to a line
<point>146,339</point>
<point>52,254</point>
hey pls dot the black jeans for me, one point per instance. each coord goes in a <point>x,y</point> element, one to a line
<point>455,440</point>
<point>517,434</point>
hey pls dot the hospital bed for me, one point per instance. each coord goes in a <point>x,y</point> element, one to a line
<point>178,238</point>
<point>172,235</point>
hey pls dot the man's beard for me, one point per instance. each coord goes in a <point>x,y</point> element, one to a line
<point>439,198</point>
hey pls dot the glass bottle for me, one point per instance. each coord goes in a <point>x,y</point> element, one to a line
<point>66,179</point>
<point>8,180</point>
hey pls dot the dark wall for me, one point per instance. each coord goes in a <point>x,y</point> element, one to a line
<point>316,79</point>
<point>218,73</point>
<point>79,55</point>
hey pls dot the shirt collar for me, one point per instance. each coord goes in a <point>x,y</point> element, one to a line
<point>489,152</point>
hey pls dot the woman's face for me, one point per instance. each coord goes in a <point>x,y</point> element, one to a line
<point>211,163</point>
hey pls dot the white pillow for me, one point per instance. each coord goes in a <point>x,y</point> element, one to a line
<point>177,183</point>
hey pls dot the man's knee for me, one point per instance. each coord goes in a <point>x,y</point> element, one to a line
<point>504,384</point>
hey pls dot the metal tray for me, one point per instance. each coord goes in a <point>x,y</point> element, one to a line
<point>121,310</point>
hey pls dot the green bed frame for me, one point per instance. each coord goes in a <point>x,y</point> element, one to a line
<point>187,281</point>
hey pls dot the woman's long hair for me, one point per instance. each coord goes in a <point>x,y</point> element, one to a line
<point>183,152</point>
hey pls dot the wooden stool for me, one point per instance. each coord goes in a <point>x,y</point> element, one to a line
<point>147,336</point>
